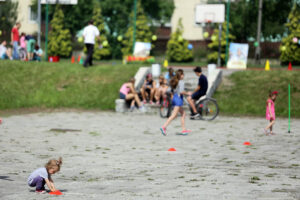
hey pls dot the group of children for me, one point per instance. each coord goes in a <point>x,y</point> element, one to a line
<point>24,47</point>
<point>149,90</point>
<point>42,176</point>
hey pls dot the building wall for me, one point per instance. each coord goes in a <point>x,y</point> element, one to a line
<point>27,25</point>
<point>185,9</point>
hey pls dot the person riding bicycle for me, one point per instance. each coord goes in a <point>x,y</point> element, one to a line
<point>198,92</point>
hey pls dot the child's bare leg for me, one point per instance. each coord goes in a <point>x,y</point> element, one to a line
<point>182,112</point>
<point>271,127</point>
<point>132,103</point>
<point>137,99</point>
<point>174,114</point>
<point>152,94</point>
<point>157,94</point>
<point>143,94</point>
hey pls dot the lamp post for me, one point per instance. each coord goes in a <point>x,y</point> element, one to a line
<point>134,25</point>
<point>257,50</point>
<point>46,31</point>
<point>39,22</point>
<point>227,31</point>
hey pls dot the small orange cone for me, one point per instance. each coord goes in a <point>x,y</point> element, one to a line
<point>290,66</point>
<point>172,149</point>
<point>73,59</point>
<point>79,58</point>
<point>247,143</point>
<point>57,192</point>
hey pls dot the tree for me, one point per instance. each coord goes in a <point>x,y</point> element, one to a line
<point>104,52</point>
<point>177,47</point>
<point>143,32</point>
<point>8,17</point>
<point>116,15</point>
<point>59,37</point>
<point>290,46</point>
<point>243,17</point>
<point>214,45</point>
<point>76,16</point>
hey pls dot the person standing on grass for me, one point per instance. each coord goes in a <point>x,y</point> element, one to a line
<point>15,37</point>
<point>177,85</point>
<point>270,112</point>
<point>90,32</point>
<point>30,46</point>
<point>23,53</point>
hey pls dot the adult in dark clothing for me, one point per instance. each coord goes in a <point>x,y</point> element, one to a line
<point>198,92</point>
<point>90,32</point>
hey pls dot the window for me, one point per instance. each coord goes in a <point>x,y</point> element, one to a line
<point>32,15</point>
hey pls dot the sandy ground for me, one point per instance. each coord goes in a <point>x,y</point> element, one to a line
<point>124,156</point>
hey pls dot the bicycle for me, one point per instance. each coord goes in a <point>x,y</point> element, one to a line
<point>207,107</point>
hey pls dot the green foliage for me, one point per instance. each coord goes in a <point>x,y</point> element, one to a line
<point>104,52</point>
<point>177,47</point>
<point>76,16</point>
<point>214,45</point>
<point>59,37</point>
<point>8,17</point>
<point>290,51</point>
<point>246,92</point>
<point>143,32</point>
<point>61,85</point>
<point>243,17</point>
<point>116,15</point>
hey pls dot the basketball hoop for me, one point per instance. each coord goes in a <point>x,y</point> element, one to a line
<point>208,21</point>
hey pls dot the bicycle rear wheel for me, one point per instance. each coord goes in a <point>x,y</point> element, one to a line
<point>165,107</point>
<point>208,109</point>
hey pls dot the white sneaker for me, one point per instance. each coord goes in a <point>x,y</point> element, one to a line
<point>142,109</point>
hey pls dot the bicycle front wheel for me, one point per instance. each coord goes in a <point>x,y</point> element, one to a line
<point>208,109</point>
<point>165,107</point>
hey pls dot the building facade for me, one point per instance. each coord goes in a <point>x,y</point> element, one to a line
<point>185,9</point>
<point>27,17</point>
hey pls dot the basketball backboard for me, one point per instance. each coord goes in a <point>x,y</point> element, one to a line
<point>210,13</point>
<point>66,2</point>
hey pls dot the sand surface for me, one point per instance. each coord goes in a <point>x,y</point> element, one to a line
<point>124,156</point>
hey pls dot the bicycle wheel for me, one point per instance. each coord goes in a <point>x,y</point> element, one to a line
<point>208,109</point>
<point>165,107</point>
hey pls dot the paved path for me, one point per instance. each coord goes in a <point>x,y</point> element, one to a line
<point>123,156</point>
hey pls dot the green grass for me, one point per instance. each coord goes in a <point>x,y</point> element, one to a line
<point>61,85</point>
<point>246,92</point>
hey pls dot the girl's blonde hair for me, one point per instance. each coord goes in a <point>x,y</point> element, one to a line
<point>54,164</point>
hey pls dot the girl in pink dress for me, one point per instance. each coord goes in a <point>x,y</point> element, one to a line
<point>270,112</point>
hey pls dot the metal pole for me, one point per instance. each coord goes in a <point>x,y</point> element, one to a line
<point>134,25</point>
<point>219,53</point>
<point>39,22</point>
<point>220,37</point>
<point>46,32</point>
<point>227,31</point>
<point>257,50</point>
<point>289,109</point>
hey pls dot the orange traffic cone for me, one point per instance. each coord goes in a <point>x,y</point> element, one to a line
<point>73,59</point>
<point>290,66</point>
<point>247,143</point>
<point>172,149</point>
<point>79,58</point>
